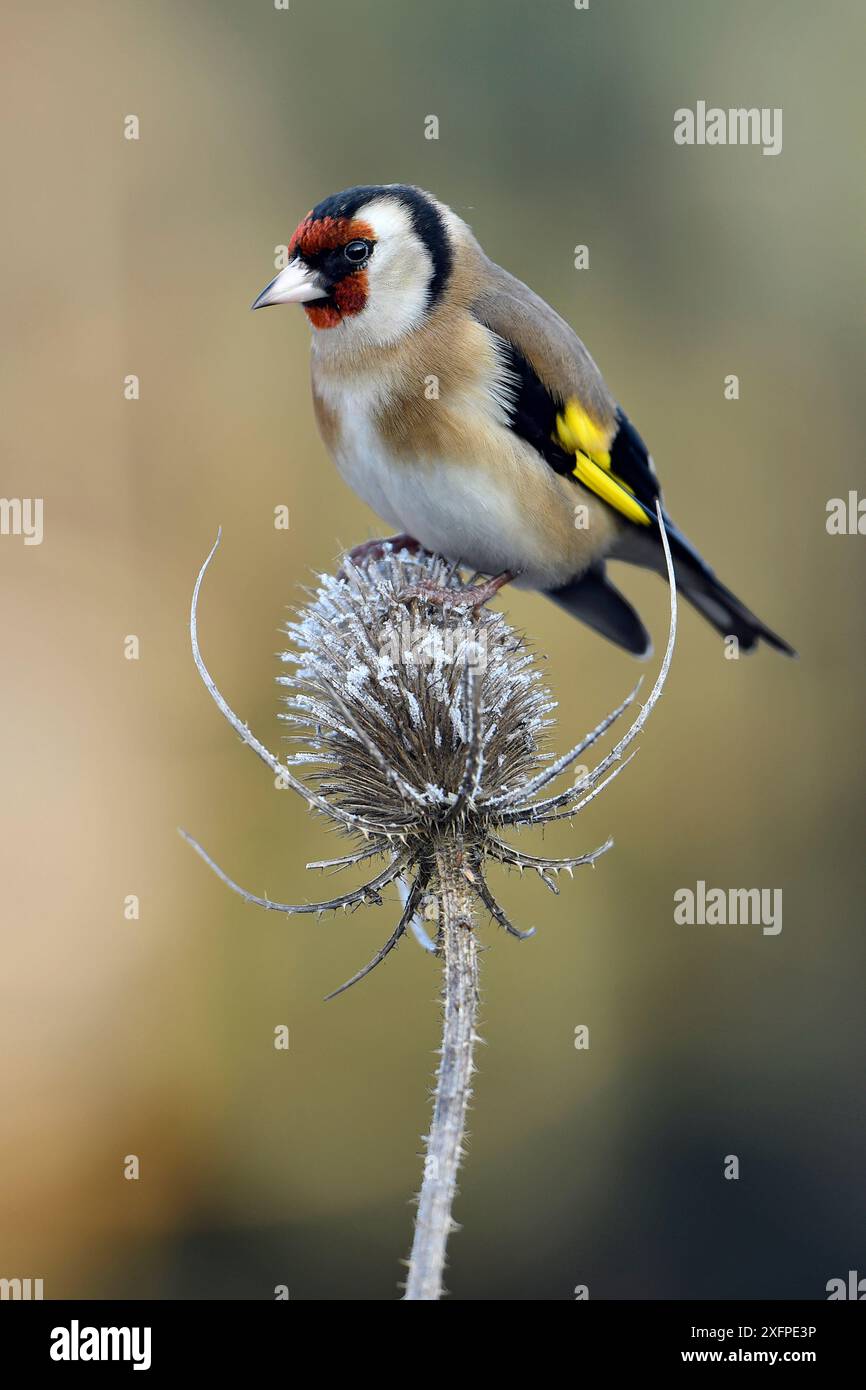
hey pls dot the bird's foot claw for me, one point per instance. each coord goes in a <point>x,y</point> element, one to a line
<point>471,596</point>
<point>374,550</point>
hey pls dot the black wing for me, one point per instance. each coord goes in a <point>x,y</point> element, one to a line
<point>533,418</point>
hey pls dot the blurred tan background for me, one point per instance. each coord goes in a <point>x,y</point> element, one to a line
<point>154,1037</point>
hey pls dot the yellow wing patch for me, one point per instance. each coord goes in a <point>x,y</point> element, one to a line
<point>579,434</point>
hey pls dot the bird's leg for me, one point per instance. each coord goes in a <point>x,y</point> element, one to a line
<point>374,550</point>
<point>471,596</point>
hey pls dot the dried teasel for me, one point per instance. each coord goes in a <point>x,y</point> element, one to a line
<point>422,730</point>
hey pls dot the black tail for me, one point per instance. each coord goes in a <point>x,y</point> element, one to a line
<point>728,615</point>
<point>594,600</point>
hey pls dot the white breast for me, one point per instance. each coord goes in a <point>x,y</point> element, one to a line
<point>359,453</point>
<point>487,520</point>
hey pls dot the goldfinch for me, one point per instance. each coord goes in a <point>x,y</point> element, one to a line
<point>467,413</point>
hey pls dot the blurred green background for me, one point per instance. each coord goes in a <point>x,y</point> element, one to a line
<point>154,1037</point>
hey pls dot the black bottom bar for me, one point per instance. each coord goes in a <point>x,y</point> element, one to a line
<point>73,1338</point>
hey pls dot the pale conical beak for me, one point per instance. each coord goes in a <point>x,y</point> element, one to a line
<point>297,284</point>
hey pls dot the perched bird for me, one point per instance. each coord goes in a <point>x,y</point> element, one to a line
<point>466,412</point>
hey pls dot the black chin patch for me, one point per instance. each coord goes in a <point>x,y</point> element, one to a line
<point>427,222</point>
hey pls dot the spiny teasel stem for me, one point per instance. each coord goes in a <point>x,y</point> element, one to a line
<point>444,1144</point>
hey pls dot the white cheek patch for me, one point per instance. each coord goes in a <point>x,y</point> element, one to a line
<point>398,276</point>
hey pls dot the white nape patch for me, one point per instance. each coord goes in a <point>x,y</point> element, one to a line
<point>398,274</point>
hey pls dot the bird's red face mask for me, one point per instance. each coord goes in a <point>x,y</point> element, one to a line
<point>326,271</point>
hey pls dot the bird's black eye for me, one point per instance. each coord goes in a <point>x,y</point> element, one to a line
<point>357,252</point>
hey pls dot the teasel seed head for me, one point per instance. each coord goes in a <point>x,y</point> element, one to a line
<point>419,727</point>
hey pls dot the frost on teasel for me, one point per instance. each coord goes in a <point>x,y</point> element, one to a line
<point>412,725</point>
